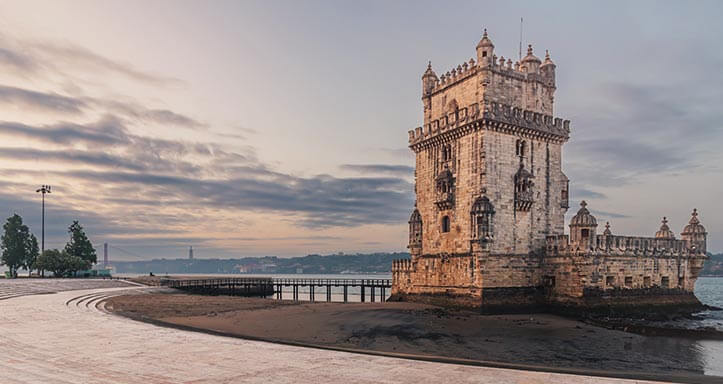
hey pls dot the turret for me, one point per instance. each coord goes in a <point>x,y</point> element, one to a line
<point>485,51</point>
<point>530,63</point>
<point>582,228</point>
<point>547,70</point>
<point>429,80</point>
<point>664,232</point>
<point>694,234</point>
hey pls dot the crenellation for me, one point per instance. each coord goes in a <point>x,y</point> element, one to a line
<point>513,117</point>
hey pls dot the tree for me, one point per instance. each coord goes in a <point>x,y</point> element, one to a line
<point>19,246</point>
<point>79,245</point>
<point>52,260</point>
<point>34,253</point>
<point>61,263</point>
<point>75,264</point>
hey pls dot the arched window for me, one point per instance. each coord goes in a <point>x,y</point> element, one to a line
<point>482,219</point>
<point>520,147</point>
<point>445,189</point>
<point>445,224</point>
<point>523,189</point>
<point>446,152</point>
<point>415,229</point>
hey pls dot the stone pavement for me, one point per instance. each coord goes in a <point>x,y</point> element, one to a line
<point>67,337</point>
<point>22,287</point>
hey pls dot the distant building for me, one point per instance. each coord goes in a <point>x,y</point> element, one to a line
<point>491,197</point>
<point>190,253</point>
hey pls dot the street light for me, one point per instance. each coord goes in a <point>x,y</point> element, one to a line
<point>43,190</point>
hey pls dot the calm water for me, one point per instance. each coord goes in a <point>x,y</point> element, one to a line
<point>710,291</point>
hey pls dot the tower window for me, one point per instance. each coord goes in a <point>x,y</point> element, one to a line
<point>585,234</point>
<point>484,53</point>
<point>446,152</point>
<point>445,224</point>
<point>482,219</point>
<point>520,147</point>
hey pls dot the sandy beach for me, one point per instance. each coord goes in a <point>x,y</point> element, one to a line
<point>409,328</point>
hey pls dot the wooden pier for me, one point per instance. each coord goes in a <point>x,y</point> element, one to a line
<point>267,286</point>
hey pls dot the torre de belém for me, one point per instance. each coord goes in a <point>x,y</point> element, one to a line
<point>488,226</point>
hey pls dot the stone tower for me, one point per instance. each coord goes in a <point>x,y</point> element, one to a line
<point>488,164</point>
<point>487,228</point>
<point>488,134</point>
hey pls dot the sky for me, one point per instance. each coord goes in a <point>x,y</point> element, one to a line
<point>254,128</point>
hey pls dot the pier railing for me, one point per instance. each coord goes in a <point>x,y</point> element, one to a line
<point>267,286</point>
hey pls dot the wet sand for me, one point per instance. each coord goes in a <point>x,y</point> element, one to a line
<point>410,328</point>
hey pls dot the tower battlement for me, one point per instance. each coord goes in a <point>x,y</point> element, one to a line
<point>528,84</point>
<point>499,116</point>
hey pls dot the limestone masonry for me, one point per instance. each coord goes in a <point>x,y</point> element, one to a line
<point>488,225</point>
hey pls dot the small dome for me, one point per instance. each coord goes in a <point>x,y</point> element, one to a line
<point>482,205</point>
<point>530,57</point>
<point>694,226</point>
<point>664,232</point>
<point>583,218</point>
<point>429,72</point>
<point>416,217</point>
<point>548,61</point>
<point>485,42</point>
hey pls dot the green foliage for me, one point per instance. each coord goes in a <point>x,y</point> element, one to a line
<point>34,253</point>
<point>61,263</point>
<point>19,247</point>
<point>79,245</point>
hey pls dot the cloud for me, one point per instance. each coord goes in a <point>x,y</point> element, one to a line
<point>192,175</point>
<point>611,215</point>
<point>42,57</point>
<point>134,111</point>
<point>80,57</point>
<point>399,170</point>
<point>47,101</point>
<point>91,158</point>
<point>632,130</point>
<point>320,201</point>
<point>580,192</point>
<point>16,60</point>
<point>54,102</point>
<point>107,131</point>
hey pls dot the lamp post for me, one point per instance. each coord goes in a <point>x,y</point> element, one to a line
<point>43,190</point>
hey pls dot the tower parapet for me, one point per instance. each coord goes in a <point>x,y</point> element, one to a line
<point>493,116</point>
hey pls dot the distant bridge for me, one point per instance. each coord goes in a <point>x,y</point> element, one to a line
<point>267,286</point>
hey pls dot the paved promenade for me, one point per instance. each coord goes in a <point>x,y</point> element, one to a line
<point>67,337</point>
